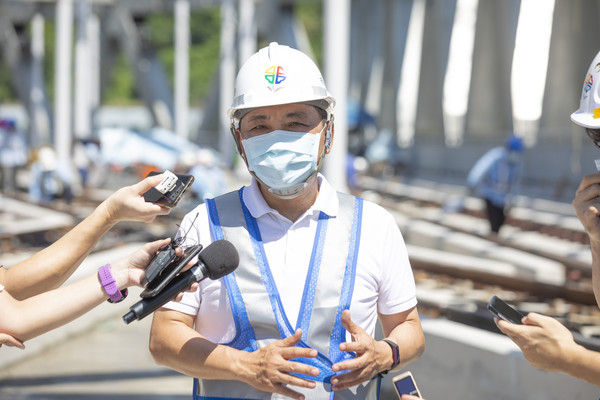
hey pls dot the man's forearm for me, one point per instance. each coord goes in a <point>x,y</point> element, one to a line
<point>583,364</point>
<point>408,335</point>
<point>176,345</point>
<point>411,342</point>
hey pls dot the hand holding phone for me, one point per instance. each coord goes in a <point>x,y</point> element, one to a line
<point>165,267</point>
<point>501,309</point>
<point>168,192</point>
<point>405,384</point>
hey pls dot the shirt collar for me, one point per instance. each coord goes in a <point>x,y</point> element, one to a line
<point>327,200</point>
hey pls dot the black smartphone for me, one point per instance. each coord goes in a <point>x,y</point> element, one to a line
<point>405,384</point>
<point>168,192</point>
<point>165,270</point>
<point>501,309</point>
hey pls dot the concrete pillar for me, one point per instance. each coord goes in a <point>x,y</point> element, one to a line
<point>337,57</point>
<point>574,22</point>
<point>490,111</point>
<point>227,72</point>
<point>247,30</point>
<point>373,45</point>
<point>408,90</point>
<point>437,21</point>
<point>150,77</point>
<point>62,87</point>
<point>82,105</point>
<point>39,118</point>
<point>182,69</point>
<point>394,26</point>
<point>93,34</point>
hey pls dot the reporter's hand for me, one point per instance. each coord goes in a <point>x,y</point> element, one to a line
<point>587,205</point>
<point>130,271</point>
<point>127,203</point>
<point>6,339</point>
<point>365,365</point>
<point>270,368</point>
<point>544,341</point>
<point>411,397</point>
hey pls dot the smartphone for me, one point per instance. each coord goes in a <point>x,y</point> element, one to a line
<point>405,384</point>
<point>164,271</point>
<point>501,309</point>
<point>168,192</point>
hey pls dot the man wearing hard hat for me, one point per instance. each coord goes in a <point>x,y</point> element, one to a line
<point>297,317</point>
<point>545,342</point>
<point>587,202</point>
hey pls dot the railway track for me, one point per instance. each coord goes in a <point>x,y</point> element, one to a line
<point>447,289</point>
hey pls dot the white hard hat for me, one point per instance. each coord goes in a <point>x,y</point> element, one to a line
<point>588,114</point>
<point>276,75</point>
<point>47,159</point>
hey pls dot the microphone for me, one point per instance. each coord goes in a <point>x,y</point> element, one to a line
<point>215,261</point>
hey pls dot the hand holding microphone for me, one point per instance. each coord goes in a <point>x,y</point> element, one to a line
<point>215,261</point>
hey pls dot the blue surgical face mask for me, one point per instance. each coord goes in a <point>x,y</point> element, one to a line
<point>283,160</point>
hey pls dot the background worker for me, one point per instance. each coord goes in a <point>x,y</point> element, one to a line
<point>495,177</point>
<point>317,267</point>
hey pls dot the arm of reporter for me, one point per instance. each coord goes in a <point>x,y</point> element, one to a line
<point>548,345</point>
<point>10,341</point>
<point>175,344</point>
<point>52,266</point>
<point>36,315</point>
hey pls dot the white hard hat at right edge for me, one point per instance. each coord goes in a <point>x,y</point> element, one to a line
<point>588,114</point>
<point>277,75</point>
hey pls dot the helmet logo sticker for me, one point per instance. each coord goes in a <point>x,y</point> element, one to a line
<point>275,75</point>
<point>589,81</point>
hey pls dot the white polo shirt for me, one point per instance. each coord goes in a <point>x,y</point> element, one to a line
<point>384,281</point>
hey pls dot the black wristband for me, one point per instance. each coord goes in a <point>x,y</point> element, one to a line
<point>395,355</point>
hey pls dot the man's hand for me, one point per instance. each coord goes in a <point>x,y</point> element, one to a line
<point>587,205</point>
<point>365,365</point>
<point>545,342</point>
<point>271,369</point>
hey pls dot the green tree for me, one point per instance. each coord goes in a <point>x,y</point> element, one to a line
<point>310,14</point>
<point>203,56</point>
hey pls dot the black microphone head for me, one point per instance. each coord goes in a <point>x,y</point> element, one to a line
<point>220,258</point>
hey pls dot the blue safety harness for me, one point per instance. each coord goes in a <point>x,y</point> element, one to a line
<point>256,327</point>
